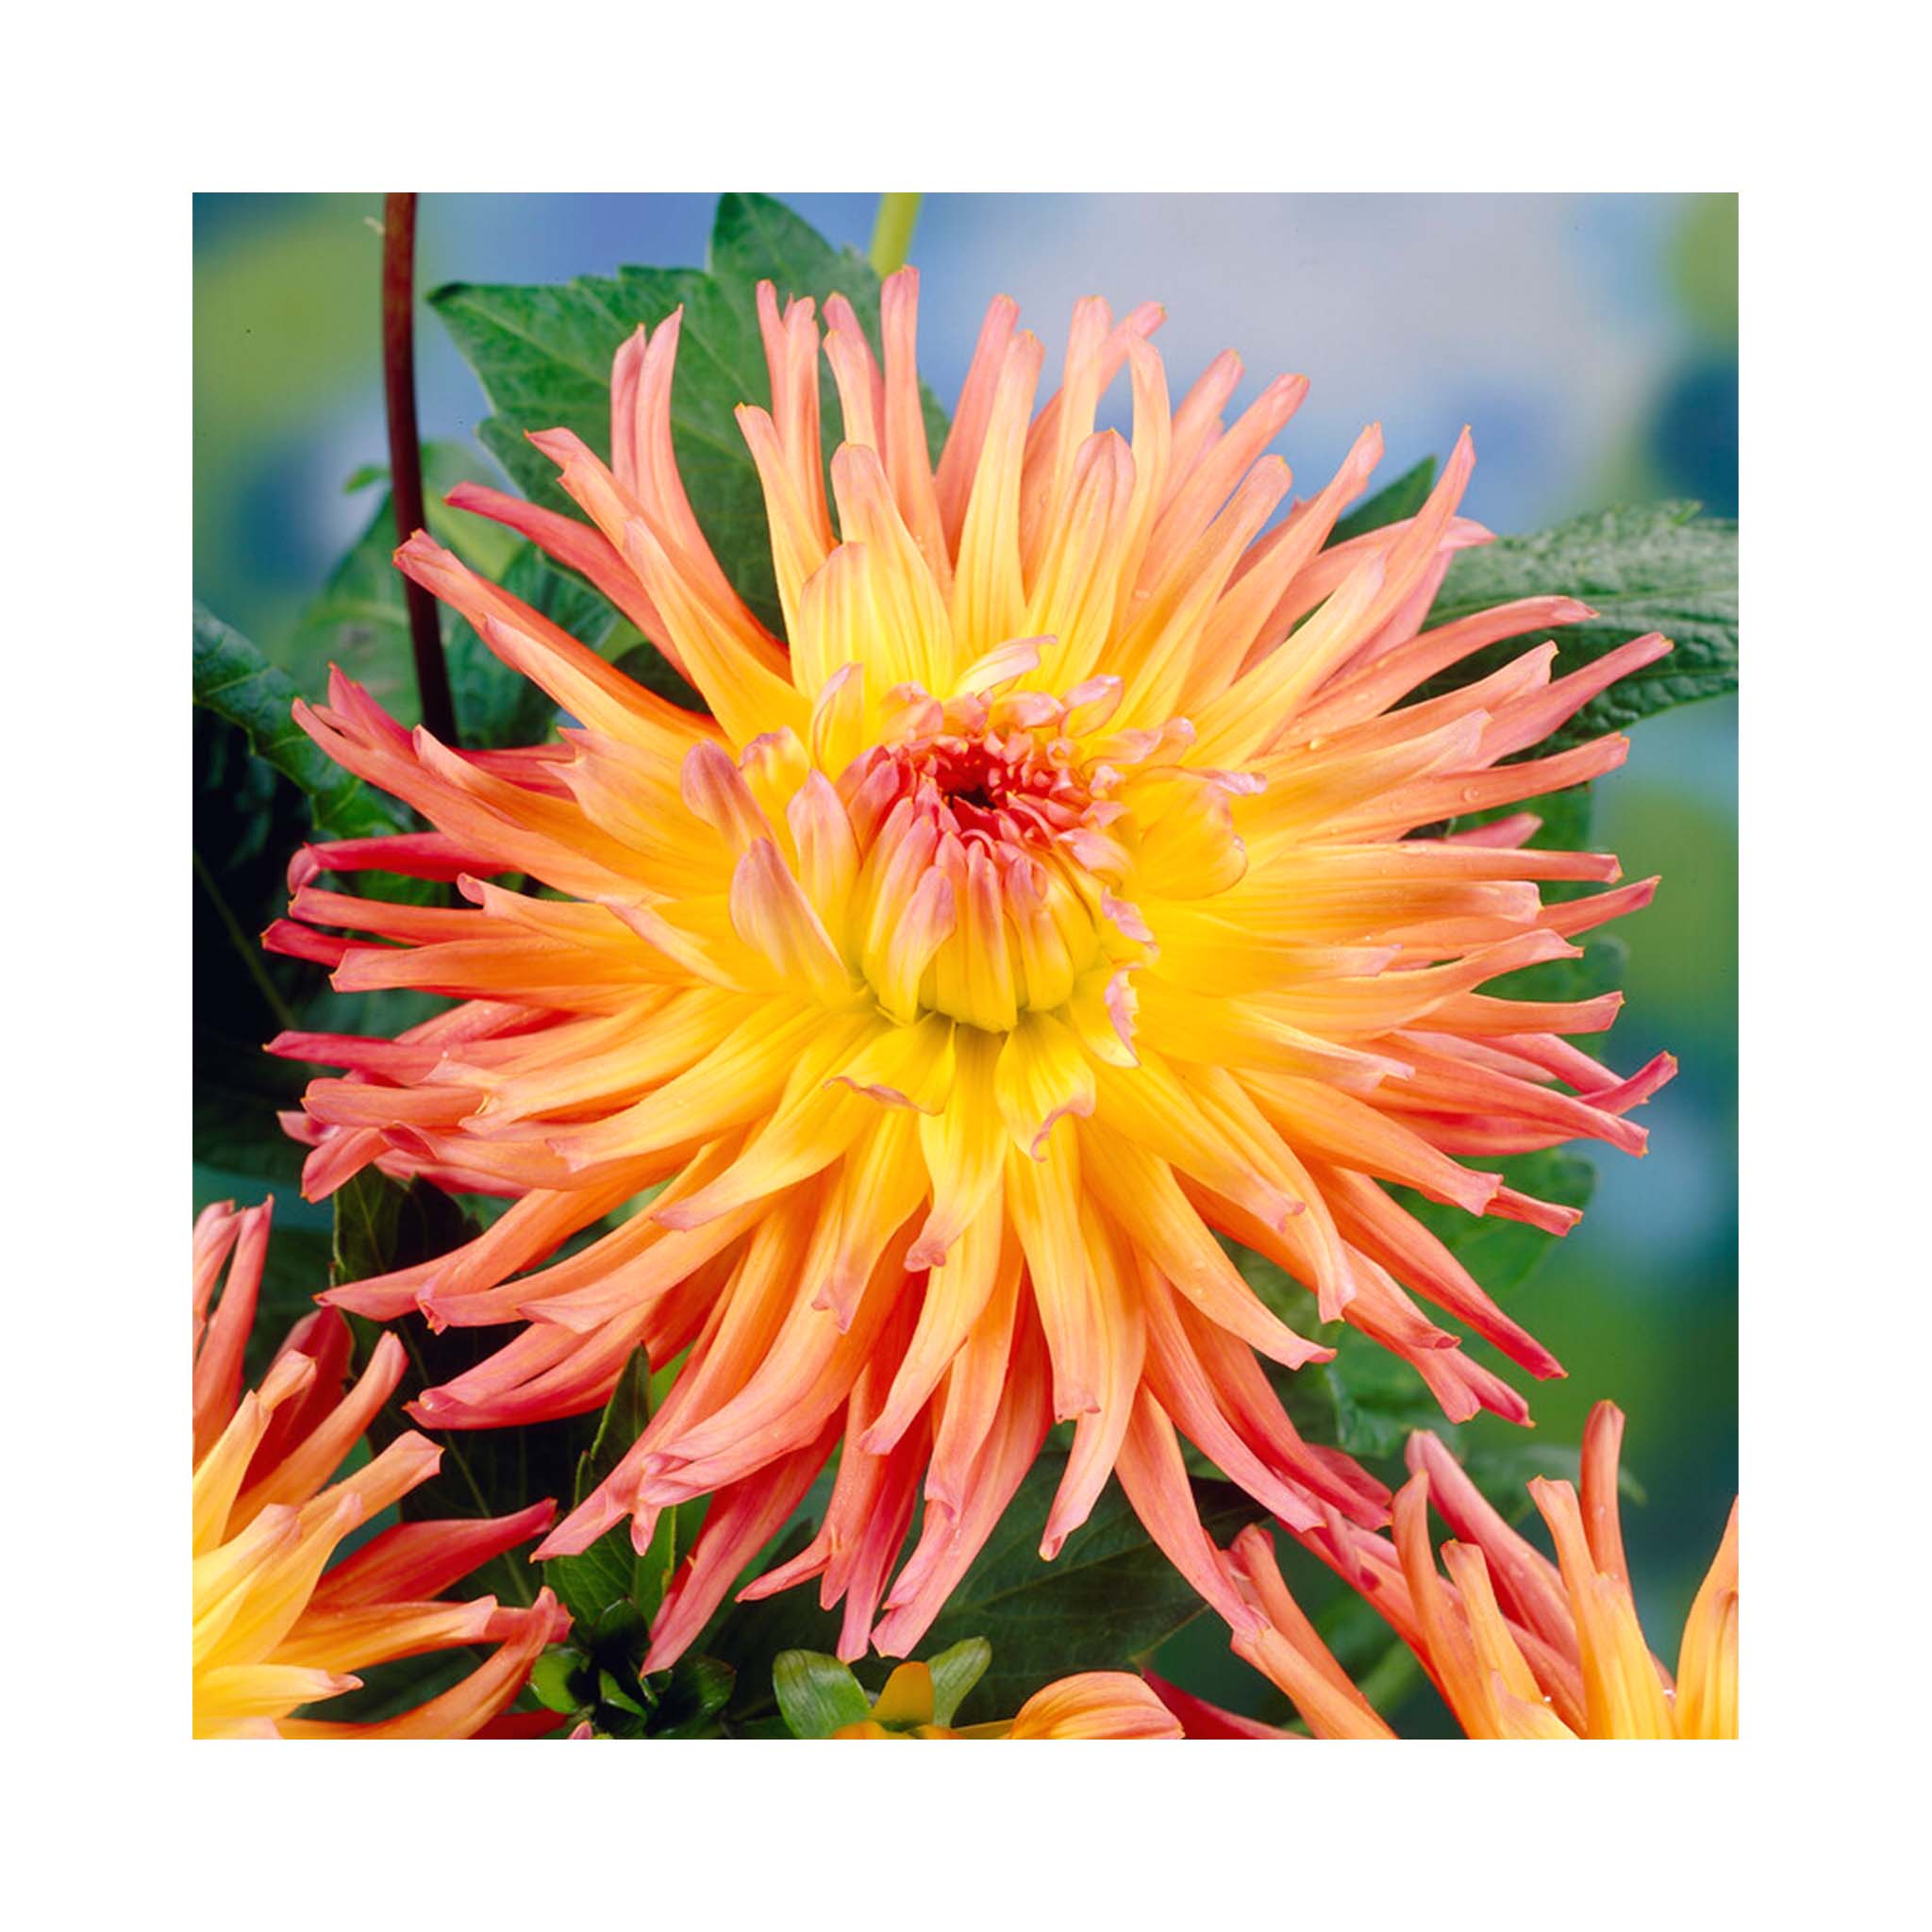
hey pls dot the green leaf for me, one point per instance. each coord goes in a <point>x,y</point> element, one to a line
<point>235,681</point>
<point>1646,567</point>
<point>359,619</point>
<point>621,1693</point>
<point>1378,1400</point>
<point>695,1692</point>
<point>954,1673</point>
<point>599,1587</point>
<point>1399,499</point>
<point>817,1695</point>
<point>381,1225</point>
<point>756,238</point>
<point>1108,1599</point>
<point>551,1678</point>
<point>621,1423</point>
<point>247,819</point>
<point>496,706</point>
<point>543,356</point>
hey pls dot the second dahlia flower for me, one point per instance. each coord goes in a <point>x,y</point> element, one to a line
<point>820,1698</point>
<point>1518,1646</point>
<point>1051,898</point>
<point>275,1628</point>
<point>1113,1705</point>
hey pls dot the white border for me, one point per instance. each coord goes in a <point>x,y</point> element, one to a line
<point>118,121</point>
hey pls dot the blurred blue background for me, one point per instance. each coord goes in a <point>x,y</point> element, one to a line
<point>1590,340</point>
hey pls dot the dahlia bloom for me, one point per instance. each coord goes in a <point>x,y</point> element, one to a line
<point>1093,1704</point>
<point>1048,900</point>
<point>275,1628</point>
<point>1519,1646</point>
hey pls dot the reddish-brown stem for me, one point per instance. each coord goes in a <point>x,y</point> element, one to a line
<point>405,452</point>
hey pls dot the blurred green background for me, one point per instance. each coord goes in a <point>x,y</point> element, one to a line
<point>1591,342</point>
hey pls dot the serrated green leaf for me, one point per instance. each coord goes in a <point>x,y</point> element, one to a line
<point>235,681</point>
<point>1390,505</point>
<point>817,1695</point>
<point>954,1673</point>
<point>1642,568</point>
<point>756,238</point>
<point>599,1586</point>
<point>543,356</point>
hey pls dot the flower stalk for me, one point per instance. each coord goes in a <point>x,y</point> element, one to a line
<point>891,233</point>
<point>406,454</point>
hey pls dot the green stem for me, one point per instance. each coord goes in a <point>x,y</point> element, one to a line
<point>892,235</point>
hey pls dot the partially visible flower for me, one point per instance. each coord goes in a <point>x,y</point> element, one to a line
<point>1518,1646</point>
<point>275,1629</point>
<point>1095,1703</point>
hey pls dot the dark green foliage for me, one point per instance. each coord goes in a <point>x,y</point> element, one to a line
<point>380,1226</point>
<point>246,820</point>
<point>235,681</point>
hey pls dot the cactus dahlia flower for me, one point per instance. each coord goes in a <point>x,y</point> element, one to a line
<point>274,1630</point>
<point>1050,898</point>
<point>1519,1646</point>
